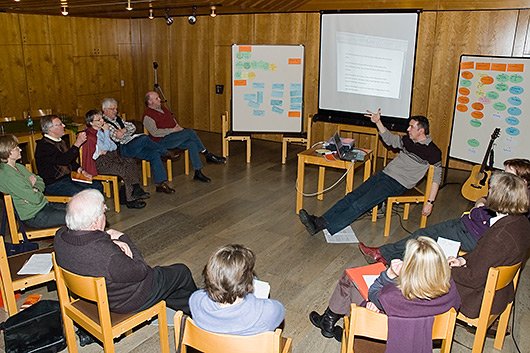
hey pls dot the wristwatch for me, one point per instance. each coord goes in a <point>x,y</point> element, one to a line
<point>431,202</point>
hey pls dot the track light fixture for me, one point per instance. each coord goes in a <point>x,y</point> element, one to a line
<point>193,18</point>
<point>64,11</point>
<point>212,13</point>
<point>169,20</point>
<point>151,14</point>
<point>129,7</point>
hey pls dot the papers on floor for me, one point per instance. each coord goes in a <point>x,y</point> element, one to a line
<point>38,264</point>
<point>262,289</point>
<point>347,235</point>
<point>449,247</point>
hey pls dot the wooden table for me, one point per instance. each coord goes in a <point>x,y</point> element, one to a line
<point>311,157</point>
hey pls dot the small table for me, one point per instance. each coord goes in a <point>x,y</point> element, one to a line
<point>311,157</point>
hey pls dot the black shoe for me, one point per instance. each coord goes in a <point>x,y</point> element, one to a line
<point>326,323</point>
<point>163,187</point>
<point>211,158</point>
<point>139,193</point>
<point>311,223</point>
<point>201,177</point>
<point>85,338</point>
<point>136,204</point>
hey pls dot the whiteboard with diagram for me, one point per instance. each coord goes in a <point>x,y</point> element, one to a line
<point>267,88</point>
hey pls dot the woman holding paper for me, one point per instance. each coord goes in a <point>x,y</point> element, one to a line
<point>26,189</point>
<point>227,304</point>
<point>505,243</point>
<point>418,286</point>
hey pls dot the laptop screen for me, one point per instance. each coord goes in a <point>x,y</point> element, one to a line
<point>338,143</point>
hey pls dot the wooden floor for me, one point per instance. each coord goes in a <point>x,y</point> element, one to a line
<point>254,204</point>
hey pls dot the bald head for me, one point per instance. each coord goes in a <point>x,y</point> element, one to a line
<point>86,211</point>
<point>152,100</point>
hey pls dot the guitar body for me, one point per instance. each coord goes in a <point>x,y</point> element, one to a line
<point>476,186</point>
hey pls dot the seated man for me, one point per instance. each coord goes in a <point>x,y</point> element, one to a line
<point>84,248</point>
<point>164,129</point>
<point>137,146</point>
<point>467,229</point>
<point>417,152</point>
<point>55,161</point>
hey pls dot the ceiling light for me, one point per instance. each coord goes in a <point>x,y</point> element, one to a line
<point>129,7</point>
<point>17,0</point>
<point>193,18</point>
<point>169,19</point>
<point>64,11</point>
<point>213,14</point>
<point>151,14</point>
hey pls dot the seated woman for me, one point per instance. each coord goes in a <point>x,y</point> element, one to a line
<point>100,156</point>
<point>467,229</point>
<point>505,243</point>
<point>26,189</point>
<point>226,304</point>
<point>418,286</point>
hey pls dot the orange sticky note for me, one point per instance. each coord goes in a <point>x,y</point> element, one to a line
<point>498,67</point>
<point>515,67</point>
<point>246,48</point>
<point>240,82</point>
<point>483,66</point>
<point>294,114</point>
<point>467,65</point>
<point>295,61</point>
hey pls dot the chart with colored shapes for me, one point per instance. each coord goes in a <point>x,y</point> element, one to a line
<point>492,92</point>
<point>267,88</point>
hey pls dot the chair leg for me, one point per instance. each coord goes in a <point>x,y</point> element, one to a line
<point>144,172</point>
<point>162,329</point>
<point>106,188</point>
<point>187,162</point>
<point>69,334</point>
<point>423,222</point>
<point>169,170</point>
<point>388,218</point>
<point>374,213</point>
<point>116,193</point>
<point>480,337</point>
<point>284,150</point>
<point>248,150</point>
<point>321,174</point>
<point>502,326</point>
<point>108,343</point>
<point>406,211</point>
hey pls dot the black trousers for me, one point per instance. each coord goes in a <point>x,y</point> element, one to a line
<point>174,284</point>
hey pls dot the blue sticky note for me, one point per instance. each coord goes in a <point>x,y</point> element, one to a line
<point>277,86</point>
<point>296,93</point>
<point>260,97</point>
<point>258,85</point>
<point>277,110</point>
<point>259,112</point>
<point>249,97</point>
<point>254,105</point>
<point>295,107</point>
<point>277,94</point>
<point>276,102</point>
<point>296,100</point>
<point>296,86</point>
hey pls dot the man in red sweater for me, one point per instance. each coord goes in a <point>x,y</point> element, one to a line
<point>164,129</point>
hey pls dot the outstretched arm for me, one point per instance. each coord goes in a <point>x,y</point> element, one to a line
<point>376,119</point>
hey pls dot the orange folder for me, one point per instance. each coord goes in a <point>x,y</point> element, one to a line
<point>356,274</point>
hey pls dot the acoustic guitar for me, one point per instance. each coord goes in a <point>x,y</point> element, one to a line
<point>476,186</point>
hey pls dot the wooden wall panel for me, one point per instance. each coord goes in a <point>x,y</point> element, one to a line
<point>35,29</point>
<point>63,99</point>
<point>61,29</point>
<point>10,29</point>
<point>39,75</point>
<point>129,101</point>
<point>86,75</point>
<point>108,74</point>
<point>13,86</point>
<point>521,44</point>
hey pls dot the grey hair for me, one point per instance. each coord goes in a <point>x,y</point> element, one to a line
<point>46,122</point>
<point>91,114</point>
<point>84,209</point>
<point>107,102</point>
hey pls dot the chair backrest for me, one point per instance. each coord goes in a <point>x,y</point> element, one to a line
<point>498,278</point>
<point>428,182</point>
<point>37,112</point>
<point>11,220</point>
<point>209,342</point>
<point>367,323</point>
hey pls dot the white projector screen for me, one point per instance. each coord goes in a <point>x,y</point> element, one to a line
<point>367,62</point>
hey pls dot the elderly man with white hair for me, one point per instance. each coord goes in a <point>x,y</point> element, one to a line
<point>85,248</point>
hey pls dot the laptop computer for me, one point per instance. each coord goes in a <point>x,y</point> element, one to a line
<point>345,154</point>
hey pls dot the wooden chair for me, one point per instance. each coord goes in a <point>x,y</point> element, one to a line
<point>228,136</point>
<point>412,195</point>
<point>146,166</point>
<point>16,235</point>
<point>90,310</point>
<point>209,342</point>
<point>107,180</point>
<point>11,282</point>
<point>367,323</point>
<point>498,278</point>
<point>300,140</point>
<point>36,112</point>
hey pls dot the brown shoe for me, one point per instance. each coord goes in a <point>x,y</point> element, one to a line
<point>163,187</point>
<point>372,255</point>
<point>173,155</point>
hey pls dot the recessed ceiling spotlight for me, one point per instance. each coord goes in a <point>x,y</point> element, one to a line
<point>169,19</point>
<point>151,14</point>
<point>193,18</point>
<point>212,8</point>
<point>64,11</point>
<point>129,7</point>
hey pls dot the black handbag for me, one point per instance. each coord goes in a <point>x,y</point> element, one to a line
<point>37,329</point>
<point>25,245</point>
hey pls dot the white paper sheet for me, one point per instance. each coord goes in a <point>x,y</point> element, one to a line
<point>38,264</point>
<point>449,247</point>
<point>347,235</point>
<point>262,289</point>
<point>370,279</point>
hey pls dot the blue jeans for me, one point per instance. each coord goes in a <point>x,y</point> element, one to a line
<point>144,148</point>
<point>51,215</point>
<point>370,193</point>
<point>186,139</point>
<point>67,187</point>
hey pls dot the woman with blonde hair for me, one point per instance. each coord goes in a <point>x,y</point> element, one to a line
<point>26,189</point>
<point>227,304</point>
<point>505,243</point>
<point>417,287</point>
